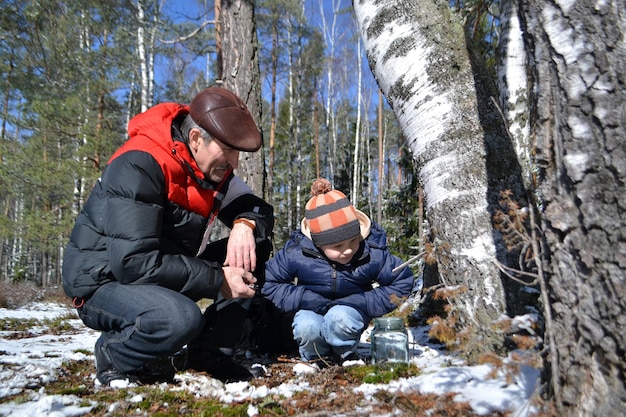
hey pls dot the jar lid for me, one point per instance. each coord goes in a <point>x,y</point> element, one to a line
<point>394,322</point>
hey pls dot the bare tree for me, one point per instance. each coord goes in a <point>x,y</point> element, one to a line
<point>330,124</point>
<point>416,52</point>
<point>512,71</point>
<point>578,60</point>
<point>240,73</point>
<point>381,146</point>
<point>356,180</point>
<point>146,38</point>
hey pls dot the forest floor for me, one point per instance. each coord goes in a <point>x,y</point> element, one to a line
<point>47,369</point>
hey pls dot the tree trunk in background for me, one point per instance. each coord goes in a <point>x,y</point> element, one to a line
<point>330,124</point>
<point>429,83</point>
<point>274,62</point>
<point>240,73</point>
<point>356,177</point>
<point>512,69</point>
<point>579,59</point>
<point>219,64</point>
<point>379,198</point>
<point>145,55</point>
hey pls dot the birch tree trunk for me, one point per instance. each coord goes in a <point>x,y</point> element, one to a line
<point>356,180</point>
<point>330,124</point>
<point>578,55</point>
<point>513,86</point>
<point>240,73</point>
<point>142,55</point>
<point>417,54</point>
<point>381,179</point>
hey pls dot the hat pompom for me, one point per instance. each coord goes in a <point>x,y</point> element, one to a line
<point>320,186</point>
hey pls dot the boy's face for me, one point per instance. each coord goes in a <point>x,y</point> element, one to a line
<point>342,252</point>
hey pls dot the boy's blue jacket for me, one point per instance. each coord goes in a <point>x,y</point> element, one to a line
<point>300,277</point>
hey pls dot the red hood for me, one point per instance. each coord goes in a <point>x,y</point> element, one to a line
<point>155,124</point>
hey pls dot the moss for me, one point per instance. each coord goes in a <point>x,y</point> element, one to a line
<point>373,374</point>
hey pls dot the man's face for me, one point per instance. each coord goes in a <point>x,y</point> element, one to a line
<point>213,157</point>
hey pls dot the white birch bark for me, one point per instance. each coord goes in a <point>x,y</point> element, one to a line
<point>141,55</point>
<point>151,53</point>
<point>417,54</point>
<point>79,182</point>
<point>578,57</point>
<point>513,86</point>
<point>17,241</point>
<point>330,34</point>
<point>356,178</point>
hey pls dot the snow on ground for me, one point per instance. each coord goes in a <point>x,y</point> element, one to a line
<point>30,362</point>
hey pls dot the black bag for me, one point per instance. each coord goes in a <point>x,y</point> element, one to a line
<point>269,328</point>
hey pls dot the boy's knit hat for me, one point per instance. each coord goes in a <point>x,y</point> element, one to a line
<point>330,216</point>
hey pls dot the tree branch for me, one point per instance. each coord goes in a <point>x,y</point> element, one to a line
<point>190,35</point>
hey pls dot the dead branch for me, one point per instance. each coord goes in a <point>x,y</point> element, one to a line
<point>190,35</point>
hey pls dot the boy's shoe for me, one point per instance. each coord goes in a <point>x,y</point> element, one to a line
<point>351,359</point>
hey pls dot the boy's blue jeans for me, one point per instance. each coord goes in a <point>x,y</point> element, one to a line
<point>140,323</point>
<point>339,331</point>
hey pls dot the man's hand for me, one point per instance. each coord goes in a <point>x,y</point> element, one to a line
<point>241,249</point>
<point>238,283</point>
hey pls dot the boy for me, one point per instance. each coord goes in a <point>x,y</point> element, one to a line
<point>326,274</point>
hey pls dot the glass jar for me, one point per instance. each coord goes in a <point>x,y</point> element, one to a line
<point>389,341</point>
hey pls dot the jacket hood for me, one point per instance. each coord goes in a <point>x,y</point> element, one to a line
<point>156,125</point>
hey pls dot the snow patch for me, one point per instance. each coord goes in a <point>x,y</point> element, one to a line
<point>441,372</point>
<point>305,368</point>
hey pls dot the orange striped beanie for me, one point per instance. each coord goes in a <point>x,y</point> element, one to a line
<point>330,216</point>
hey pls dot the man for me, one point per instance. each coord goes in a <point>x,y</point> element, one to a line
<point>138,257</point>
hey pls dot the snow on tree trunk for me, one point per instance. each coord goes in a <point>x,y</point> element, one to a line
<point>240,73</point>
<point>578,55</point>
<point>417,54</point>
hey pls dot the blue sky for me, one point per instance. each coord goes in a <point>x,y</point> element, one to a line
<point>346,44</point>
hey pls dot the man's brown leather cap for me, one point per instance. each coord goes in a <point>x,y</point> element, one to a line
<point>226,117</point>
